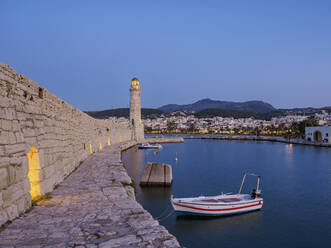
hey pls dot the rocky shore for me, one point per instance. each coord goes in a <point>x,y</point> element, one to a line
<point>93,207</point>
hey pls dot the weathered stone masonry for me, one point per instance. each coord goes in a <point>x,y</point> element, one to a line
<point>42,140</point>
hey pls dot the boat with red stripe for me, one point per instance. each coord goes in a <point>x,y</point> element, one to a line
<point>224,204</point>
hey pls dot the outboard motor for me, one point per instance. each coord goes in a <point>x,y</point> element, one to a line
<point>255,193</point>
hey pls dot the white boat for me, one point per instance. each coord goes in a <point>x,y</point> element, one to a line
<point>224,204</point>
<point>149,146</point>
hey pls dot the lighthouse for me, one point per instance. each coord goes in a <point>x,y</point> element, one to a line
<point>135,110</point>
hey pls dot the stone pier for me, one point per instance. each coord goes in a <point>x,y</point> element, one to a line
<point>95,206</point>
<point>156,174</point>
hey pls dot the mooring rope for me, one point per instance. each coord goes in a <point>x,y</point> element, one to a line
<point>163,213</point>
<point>171,213</point>
<point>160,218</point>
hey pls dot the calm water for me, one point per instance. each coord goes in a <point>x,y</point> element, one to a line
<point>296,187</point>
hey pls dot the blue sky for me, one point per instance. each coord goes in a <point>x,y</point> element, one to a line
<point>86,52</point>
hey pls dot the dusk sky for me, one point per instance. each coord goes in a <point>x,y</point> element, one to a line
<point>86,52</point>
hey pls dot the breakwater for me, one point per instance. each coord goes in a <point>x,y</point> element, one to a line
<point>94,207</point>
<point>154,140</point>
<point>258,138</point>
<point>42,140</point>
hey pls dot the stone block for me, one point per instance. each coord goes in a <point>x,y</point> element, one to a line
<point>16,125</point>
<point>26,187</point>
<point>4,102</point>
<point>4,138</point>
<point>127,240</point>
<point>11,174</point>
<point>3,178</point>
<point>20,174</point>
<point>47,185</point>
<point>10,113</point>
<point>27,201</point>
<point>30,141</point>
<point>6,125</point>
<point>49,159</point>
<point>28,123</point>
<point>31,109</point>
<point>3,217</point>
<point>19,137</point>
<point>4,162</point>
<point>18,105</point>
<point>29,132</point>
<point>12,149</point>
<point>20,203</point>
<point>2,113</point>
<point>12,211</point>
<point>21,116</point>
<point>39,124</point>
<point>1,202</point>
<point>12,138</point>
<point>47,172</point>
<point>11,194</point>
<point>2,150</point>
<point>156,174</point>
<point>17,161</point>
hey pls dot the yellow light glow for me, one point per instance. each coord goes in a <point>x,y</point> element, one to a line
<point>91,150</point>
<point>120,138</point>
<point>34,172</point>
<point>100,146</point>
<point>135,83</point>
<point>109,141</point>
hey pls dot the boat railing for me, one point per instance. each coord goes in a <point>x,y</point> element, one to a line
<point>258,190</point>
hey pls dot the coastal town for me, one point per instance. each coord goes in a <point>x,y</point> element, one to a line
<point>186,122</point>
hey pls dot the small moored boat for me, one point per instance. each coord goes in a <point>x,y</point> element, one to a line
<point>223,204</point>
<point>149,146</point>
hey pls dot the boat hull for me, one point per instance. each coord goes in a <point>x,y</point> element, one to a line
<point>149,147</point>
<point>216,209</point>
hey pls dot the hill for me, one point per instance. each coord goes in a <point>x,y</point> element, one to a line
<point>251,106</point>
<point>246,111</point>
<point>124,112</point>
<point>210,113</point>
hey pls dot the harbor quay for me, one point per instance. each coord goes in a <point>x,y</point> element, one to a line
<point>259,138</point>
<point>93,207</point>
<point>62,181</point>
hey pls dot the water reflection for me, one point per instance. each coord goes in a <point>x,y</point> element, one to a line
<point>295,185</point>
<point>254,219</point>
<point>289,155</point>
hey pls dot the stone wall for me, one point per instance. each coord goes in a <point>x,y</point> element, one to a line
<point>42,140</point>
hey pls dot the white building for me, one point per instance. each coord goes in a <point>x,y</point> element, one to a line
<point>319,134</point>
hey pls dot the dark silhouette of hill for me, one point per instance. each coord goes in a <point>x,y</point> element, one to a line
<point>210,113</point>
<point>238,112</point>
<point>123,112</point>
<point>251,106</point>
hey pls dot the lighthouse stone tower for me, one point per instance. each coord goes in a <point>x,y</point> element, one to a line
<point>135,111</point>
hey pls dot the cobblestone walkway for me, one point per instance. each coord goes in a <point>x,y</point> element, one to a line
<point>93,207</point>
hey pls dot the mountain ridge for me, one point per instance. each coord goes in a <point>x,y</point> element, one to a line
<point>207,103</point>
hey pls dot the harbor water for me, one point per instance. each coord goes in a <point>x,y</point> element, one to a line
<point>296,187</point>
